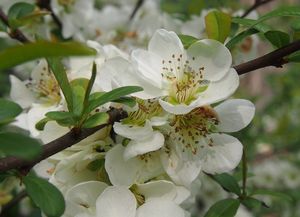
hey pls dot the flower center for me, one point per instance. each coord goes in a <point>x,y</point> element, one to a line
<point>188,129</point>
<point>45,88</point>
<point>146,110</point>
<point>185,82</point>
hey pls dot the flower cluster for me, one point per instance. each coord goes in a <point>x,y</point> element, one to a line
<point>144,165</point>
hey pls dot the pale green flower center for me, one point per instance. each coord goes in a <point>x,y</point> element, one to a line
<point>138,196</point>
<point>46,88</point>
<point>185,89</point>
<point>146,110</point>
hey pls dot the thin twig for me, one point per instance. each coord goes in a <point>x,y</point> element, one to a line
<point>256,5</point>
<point>46,4</point>
<point>275,58</point>
<point>14,33</point>
<point>57,145</point>
<point>13,202</point>
<point>138,5</point>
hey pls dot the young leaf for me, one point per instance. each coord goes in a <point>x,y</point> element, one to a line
<point>295,57</point>
<point>3,27</point>
<point>253,203</point>
<point>187,40</point>
<point>61,76</point>
<point>228,182</point>
<point>8,110</point>
<point>18,145</point>
<point>129,101</point>
<point>110,96</point>
<point>59,115</point>
<point>249,23</point>
<point>17,11</point>
<point>239,37</point>
<point>273,193</point>
<point>218,25</point>
<point>45,195</point>
<point>78,94</point>
<point>277,38</point>
<point>224,208</point>
<point>90,84</point>
<point>41,124</point>
<point>22,53</point>
<point>96,120</point>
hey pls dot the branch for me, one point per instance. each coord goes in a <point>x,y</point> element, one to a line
<point>13,33</point>
<point>57,145</point>
<point>46,4</point>
<point>275,58</point>
<point>256,4</point>
<point>138,5</point>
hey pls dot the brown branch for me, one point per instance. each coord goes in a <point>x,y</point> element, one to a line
<point>13,202</point>
<point>138,5</point>
<point>14,33</point>
<point>275,58</point>
<point>256,4</point>
<point>57,145</point>
<point>46,4</point>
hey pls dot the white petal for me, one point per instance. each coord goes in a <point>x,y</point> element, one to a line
<point>135,170</point>
<point>218,91</point>
<point>234,114</point>
<point>19,93</point>
<point>138,147</point>
<point>223,155</point>
<point>180,171</point>
<point>157,189</point>
<point>212,55</point>
<point>149,66</point>
<point>160,208</point>
<point>133,132</point>
<point>52,131</point>
<point>166,43</point>
<point>83,196</point>
<point>116,202</point>
<point>176,109</point>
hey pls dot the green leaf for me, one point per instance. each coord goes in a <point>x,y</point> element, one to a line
<point>279,12</point>
<point>96,120</point>
<point>41,124</point>
<point>90,84</point>
<point>277,38</point>
<point>18,145</point>
<point>224,208</point>
<point>228,182</point>
<point>253,203</point>
<point>45,195</point>
<point>18,11</point>
<point>112,95</point>
<point>83,82</point>
<point>239,37</point>
<point>78,93</point>
<point>187,40</point>
<point>250,22</point>
<point>218,25</point>
<point>59,115</point>
<point>3,27</point>
<point>22,53</point>
<point>61,77</point>
<point>273,193</point>
<point>294,57</point>
<point>8,110</point>
<point>129,101</point>
<point>28,18</point>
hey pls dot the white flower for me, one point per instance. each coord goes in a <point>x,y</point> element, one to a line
<point>185,79</point>
<point>158,198</point>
